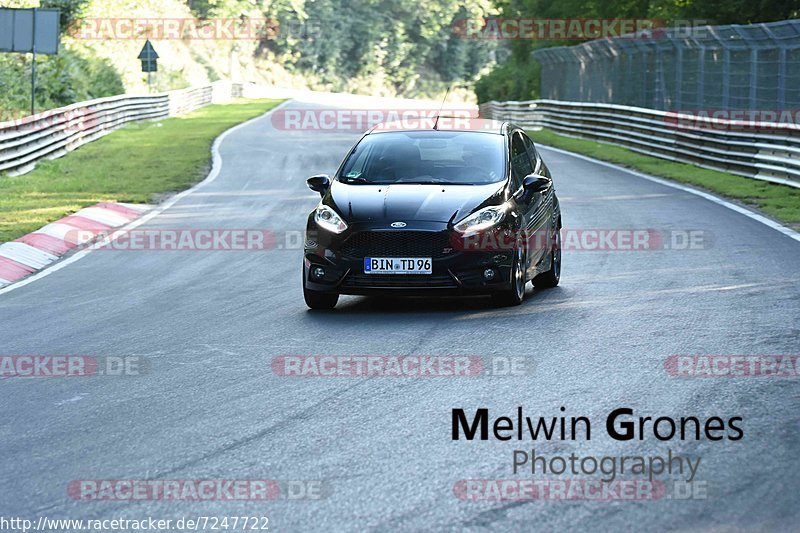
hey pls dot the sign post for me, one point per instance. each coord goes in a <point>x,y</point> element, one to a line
<point>148,57</point>
<point>33,64</point>
<point>30,31</point>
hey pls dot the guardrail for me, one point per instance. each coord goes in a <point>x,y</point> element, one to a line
<point>763,151</point>
<point>53,133</point>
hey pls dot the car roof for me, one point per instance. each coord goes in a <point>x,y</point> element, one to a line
<point>445,123</point>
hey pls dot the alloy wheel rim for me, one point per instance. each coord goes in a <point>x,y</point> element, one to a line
<point>557,255</point>
<point>520,275</point>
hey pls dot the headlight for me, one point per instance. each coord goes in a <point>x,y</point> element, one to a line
<point>483,219</point>
<point>329,219</point>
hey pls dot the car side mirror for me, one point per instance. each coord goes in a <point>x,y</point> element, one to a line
<point>536,183</point>
<point>319,183</point>
<point>532,184</point>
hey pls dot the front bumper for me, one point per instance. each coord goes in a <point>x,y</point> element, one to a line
<point>454,271</point>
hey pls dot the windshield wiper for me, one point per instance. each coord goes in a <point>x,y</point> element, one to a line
<point>358,179</point>
<point>426,182</point>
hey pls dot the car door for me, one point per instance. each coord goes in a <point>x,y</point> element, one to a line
<point>521,166</point>
<point>543,219</point>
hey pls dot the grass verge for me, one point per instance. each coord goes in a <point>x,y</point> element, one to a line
<point>132,164</point>
<point>777,201</point>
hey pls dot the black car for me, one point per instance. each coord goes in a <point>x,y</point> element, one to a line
<point>443,210</point>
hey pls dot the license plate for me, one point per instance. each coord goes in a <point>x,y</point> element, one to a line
<point>398,265</point>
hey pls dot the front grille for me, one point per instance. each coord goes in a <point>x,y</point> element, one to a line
<point>397,244</point>
<point>428,281</point>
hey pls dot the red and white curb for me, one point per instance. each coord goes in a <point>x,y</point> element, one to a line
<point>34,251</point>
<point>59,229</point>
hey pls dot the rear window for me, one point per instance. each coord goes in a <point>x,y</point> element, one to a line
<point>426,157</point>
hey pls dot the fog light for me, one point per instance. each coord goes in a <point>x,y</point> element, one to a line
<point>318,272</point>
<point>488,274</point>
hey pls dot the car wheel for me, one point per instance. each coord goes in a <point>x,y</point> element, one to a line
<point>319,300</point>
<point>549,279</point>
<point>516,293</point>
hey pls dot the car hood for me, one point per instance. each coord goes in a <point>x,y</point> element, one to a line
<point>411,202</point>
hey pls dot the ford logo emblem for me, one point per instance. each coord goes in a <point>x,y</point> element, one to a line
<point>398,224</point>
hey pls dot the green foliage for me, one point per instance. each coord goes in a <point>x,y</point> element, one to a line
<point>406,47</point>
<point>221,8</point>
<point>406,44</point>
<point>71,10</point>
<point>61,79</point>
<point>508,81</point>
<point>515,79</point>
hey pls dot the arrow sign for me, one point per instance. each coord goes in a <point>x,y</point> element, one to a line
<point>148,52</point>
<point>148,57</point>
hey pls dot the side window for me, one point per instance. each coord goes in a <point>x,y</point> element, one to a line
<point>520,162</point>
<point>531,150</point>
<point>355,165</point>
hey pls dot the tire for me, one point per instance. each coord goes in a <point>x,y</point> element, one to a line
<point>319,300</point>
<point>516,293</point>
<point>550,279</point>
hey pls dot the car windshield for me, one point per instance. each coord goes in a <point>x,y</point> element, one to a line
<point>426,157</point>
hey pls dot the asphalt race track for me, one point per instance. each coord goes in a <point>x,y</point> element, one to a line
<point>209,324</point>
